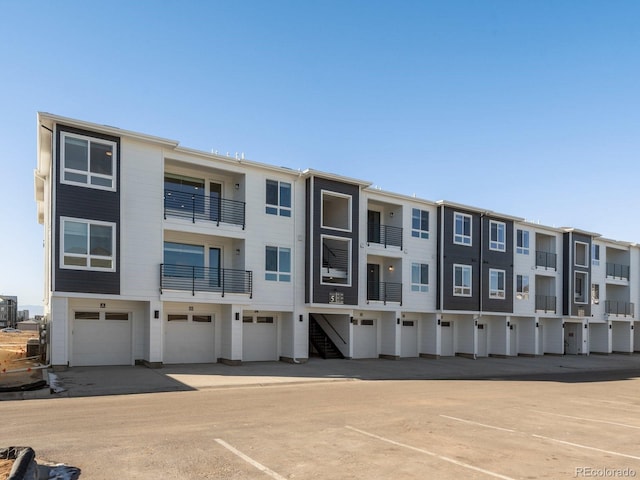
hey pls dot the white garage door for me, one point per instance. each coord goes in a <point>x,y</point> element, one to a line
<point>259,339</point>
<point>365,339</point>
<point>189,338</point>
<point>409,338</point>
<point>101,338</point>
<point>446,339</point>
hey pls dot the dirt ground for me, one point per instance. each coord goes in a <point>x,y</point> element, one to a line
<point>13,350</point>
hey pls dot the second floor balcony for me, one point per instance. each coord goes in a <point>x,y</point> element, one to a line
<point>617,271</point>
<point>200,207</point>
<point>546,303</point>
<point>384,292</point>
<point>203,279</point>
<point>546,260</point>
<point>619,308</point>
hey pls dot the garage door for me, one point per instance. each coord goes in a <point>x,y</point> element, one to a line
<point>101,338</point>
<point>365,339</point>
<point>259,339</point>
<point>409,338</point>
<point>189,338</point>
<point>446,339</point>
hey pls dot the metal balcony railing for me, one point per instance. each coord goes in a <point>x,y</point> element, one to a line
<point>615,270</point>
<point>546,303</point>
<point>335,258</point>
<point>204,279</point>
<point>386,235</point>
<point>615,307</point>
<point>384,292</point>
<point>546,259</point>
<point>202,207</point>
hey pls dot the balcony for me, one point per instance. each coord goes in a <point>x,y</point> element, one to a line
<point>618,308</point>
<point>617,271</point>
<point>386,235</point>
<point>384,292</point>
<point>546,260</point>
<point>203,208</point>
<point>203,279</point>
<point>546,303</point>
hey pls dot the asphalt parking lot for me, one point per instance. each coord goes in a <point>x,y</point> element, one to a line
<point>343,420</point>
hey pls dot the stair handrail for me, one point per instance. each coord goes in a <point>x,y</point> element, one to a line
<point>332,327</point>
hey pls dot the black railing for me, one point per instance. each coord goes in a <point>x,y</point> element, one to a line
<point>197,206</point>
<point>546,303</point>
<point>384,292</point>
<point>615,270</point>
<point>546,259</point>
<point>386,235</point>
<point>335,258</point>
<point>615,307</point>
<point>203,279</point>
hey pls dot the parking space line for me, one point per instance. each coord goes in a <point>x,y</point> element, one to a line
<point>578,445</point>
<point>250,460</point>
<point>427,452</point>
<point>480,424</point>
<point>588,419</point>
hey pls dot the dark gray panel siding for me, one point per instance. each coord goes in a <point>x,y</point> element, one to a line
<point>569,306</point>
<point>460,254</point>
<point>88,204</point>
<point>480,258</point>
<point>321,292</point>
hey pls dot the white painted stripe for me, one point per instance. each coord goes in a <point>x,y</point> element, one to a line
<point>588,419</point>
<point>586,447</point>
<point>480,424</point>
<point>427,452</point>
<point>250,460</point>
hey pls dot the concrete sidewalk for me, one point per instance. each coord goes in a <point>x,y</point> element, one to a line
<point>92,381</point>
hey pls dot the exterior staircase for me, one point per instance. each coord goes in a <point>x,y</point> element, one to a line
<point>321,341</point>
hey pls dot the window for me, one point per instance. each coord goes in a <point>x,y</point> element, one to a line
<point>184,194</point>
<point>88,245</point>
<point>581,254</point>
<point>336,211</point>
<point>264,320</point>
<point>419,277</point>
<point>522,287</point>
<point>580,287</point>
<point>496,283</point>
<point>278,198</point>
<point>116,316</point>
<point>497,236</point>
<point>595,254</point>
<point>595,293</point>
<point>87,316</point>
<point>201,318</point>
<point>335,264</point>
<point>522,242</point>
<point>462,280</point>
<point>177,318</point>
<point>183,260</point>
<point>419,223</point>
<point>462,229</point>
<point>87,161</point>
<point>277,264</point>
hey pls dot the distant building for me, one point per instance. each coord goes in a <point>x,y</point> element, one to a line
<point>8,311</point>
<point>23,315</point>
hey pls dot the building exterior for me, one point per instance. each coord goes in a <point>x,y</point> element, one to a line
<point>8,311</point>
<point>159,254</point>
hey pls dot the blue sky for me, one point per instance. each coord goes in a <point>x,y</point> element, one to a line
<point>530,108</point>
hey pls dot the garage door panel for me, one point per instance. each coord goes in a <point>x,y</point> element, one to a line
<point>189,342</point>
<point>259,342</point>
<point>101,342</point>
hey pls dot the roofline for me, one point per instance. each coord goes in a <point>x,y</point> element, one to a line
<point>44,117</point>
<point>491,213</point>
<point>310,172</point>
<point>580,231</point>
